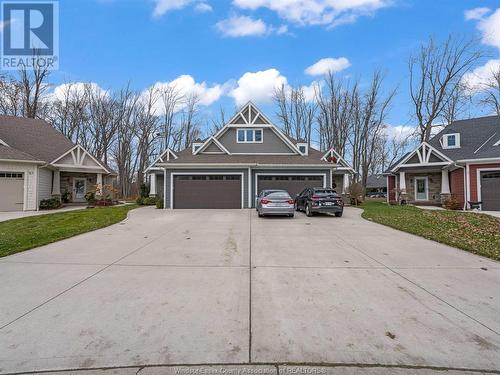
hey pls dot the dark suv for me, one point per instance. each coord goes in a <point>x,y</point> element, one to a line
<point>319,200</point>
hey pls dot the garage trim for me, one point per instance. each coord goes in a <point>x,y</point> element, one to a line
<point>287,174</point>
<point>478,180</point>
<point>173,174</point>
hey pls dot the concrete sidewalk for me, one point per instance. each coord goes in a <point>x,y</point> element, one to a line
<point>4,216</point>
<point>207,287</point>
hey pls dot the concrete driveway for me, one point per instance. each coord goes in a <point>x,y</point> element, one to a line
<point>225,287</point>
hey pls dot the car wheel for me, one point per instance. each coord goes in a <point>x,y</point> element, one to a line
<point>291,215</point>
<point>338,214</point>
<point>308,210</point>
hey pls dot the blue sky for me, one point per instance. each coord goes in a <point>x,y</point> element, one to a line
<point>221,45</point>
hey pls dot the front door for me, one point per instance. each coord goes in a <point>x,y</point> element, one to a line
<point>79,189</point>
<point>421,189</point>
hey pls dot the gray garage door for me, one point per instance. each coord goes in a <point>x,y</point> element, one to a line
<point>11,191</point>
<point>490,190</point>
<point>207,191</point>
<point>293,184</point>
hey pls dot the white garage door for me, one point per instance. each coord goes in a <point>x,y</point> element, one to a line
<point>11,191</point>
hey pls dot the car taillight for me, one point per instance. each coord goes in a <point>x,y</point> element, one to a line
<point>265,201</point>
<point>290,201</point>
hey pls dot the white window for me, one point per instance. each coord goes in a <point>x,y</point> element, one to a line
<point>249,136</point>
<point>303,148</point>
<point>451,140</point>
<point>196,146</point>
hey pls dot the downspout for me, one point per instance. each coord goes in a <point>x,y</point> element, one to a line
<point>465,185</point>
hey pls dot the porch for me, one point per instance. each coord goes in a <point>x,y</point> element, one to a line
<point>419,187</point>
<point>72,187</point>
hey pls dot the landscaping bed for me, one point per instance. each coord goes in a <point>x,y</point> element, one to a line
<point>476,233</point>
<point>26,233</point>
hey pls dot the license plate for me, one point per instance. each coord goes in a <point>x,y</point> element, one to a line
<point>280,205</point>
<point>328,203</point>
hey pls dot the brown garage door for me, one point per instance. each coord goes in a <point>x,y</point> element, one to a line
<point>490,190</point>
<point>11,191</point>
<point>207,191</point>
<point>293,184</point>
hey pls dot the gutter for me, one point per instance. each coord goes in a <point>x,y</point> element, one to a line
<point>23,161</point>
<point>242,165</point>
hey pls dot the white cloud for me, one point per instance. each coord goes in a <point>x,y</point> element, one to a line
<point>317,12</point>
<point>326,65</point>
<point>489,26</point>
<point>186,85</point>
<point>257,86</point>
<point>310,91</point>
<point>73,89</point>
<point>399,132</point>
<point>476,13</point>
<point>164,6</point>
<point>203,7</point>
<point>480,76</point>
<point>238,26</point>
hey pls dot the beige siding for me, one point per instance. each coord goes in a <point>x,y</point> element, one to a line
<point>30,178</point>
<point>44,184</point>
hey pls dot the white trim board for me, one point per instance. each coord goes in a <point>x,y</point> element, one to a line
<point>478,180</point>
<point>426,178</point>
<point>172,174</point>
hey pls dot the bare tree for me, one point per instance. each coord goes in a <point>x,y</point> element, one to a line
<point>170,100</point>
<point>11,98</point>
<point>33,84</point>
<point>491,97</point>
<point>189,128</point>
<point>336,104</point>
<point>217,122</point>
<point>368,127</point>
<point>295,113</point>
<point>435,71</point>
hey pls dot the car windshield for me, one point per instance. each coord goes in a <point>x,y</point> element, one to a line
<point>324,192</point>
<point>279,195</point>
<point>266,193</point>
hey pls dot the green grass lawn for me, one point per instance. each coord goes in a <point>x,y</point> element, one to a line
<point>476,233</point>
<point>29,232</point>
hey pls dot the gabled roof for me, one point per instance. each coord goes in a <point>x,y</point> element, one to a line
<point>250,116</point>
<point>36,138</point>
<point>477,138</point>
<point>424,155</point>
<point>376,181</point>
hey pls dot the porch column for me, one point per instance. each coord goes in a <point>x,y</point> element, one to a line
<point>345,183</point>
<point>152,184</point>
<point>56,183</point>
<point>99,184</point>
<point>445,182</point>
<point>402,182</point>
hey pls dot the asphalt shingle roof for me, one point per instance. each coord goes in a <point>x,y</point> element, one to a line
<point>35,139</point>
<point>477,137</point>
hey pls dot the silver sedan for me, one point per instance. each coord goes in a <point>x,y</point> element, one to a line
<point>276,203</point>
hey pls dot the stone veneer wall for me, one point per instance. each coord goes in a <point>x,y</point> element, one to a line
<point>434,180</point>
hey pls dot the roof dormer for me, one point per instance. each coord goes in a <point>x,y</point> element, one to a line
<point>451,140</point>
<point>196,145</point>
<point>303,148</point>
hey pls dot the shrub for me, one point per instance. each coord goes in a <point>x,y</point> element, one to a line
<point>144,191</point>
<point>90,197</point>
<point>159,203</point>
<point>50,204</point>
<point>149,201</point>
<point>356,193</point>
<point>66,196</point>
<point>452,203</point>
<point>139,201</point>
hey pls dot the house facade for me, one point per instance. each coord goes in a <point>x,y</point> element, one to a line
<point>462,161</point>
<point>37,162</point>
<point>247,155</point>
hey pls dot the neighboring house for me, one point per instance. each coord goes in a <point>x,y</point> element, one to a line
<point>462,161</point>
<point>37,162</point>
<point>247,155</point>
<point>376,183</point>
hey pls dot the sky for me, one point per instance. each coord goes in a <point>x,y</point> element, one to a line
<point>237,50</point>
